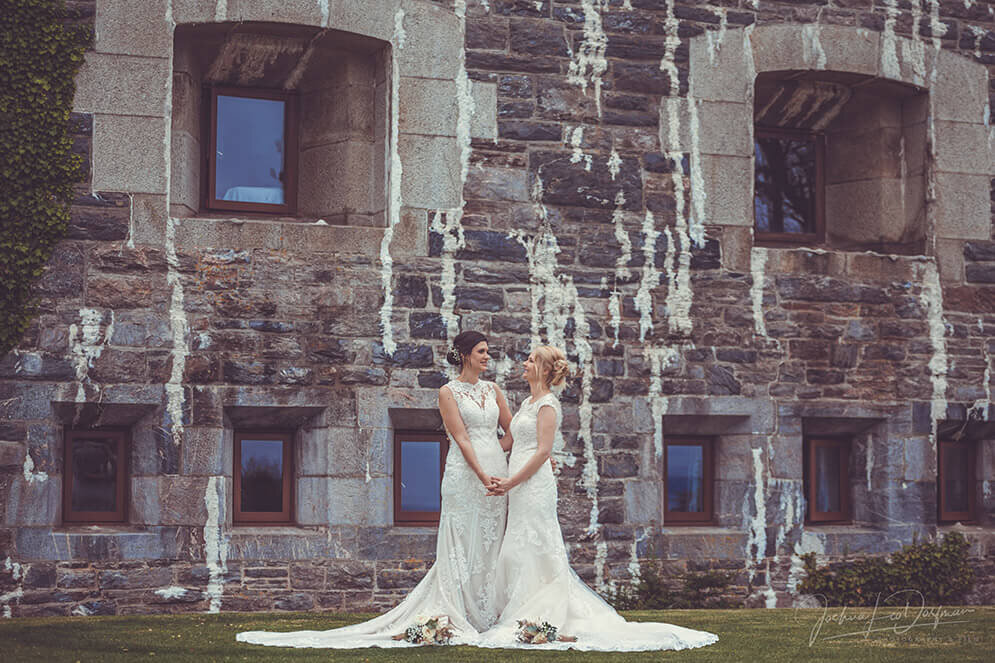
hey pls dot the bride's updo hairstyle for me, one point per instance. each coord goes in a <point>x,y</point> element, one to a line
<point>463,345</point>
<point>553,365</point>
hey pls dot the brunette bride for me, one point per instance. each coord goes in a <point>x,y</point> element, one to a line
<point>534,578</point>
<point>461,584</point>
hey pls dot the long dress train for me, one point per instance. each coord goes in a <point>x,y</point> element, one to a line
<point>534,577</point>
<point>461,583</point>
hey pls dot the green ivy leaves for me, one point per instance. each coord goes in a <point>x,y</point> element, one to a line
<point>39,58</point>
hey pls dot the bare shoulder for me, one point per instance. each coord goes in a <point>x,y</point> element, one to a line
<point>445,392</point>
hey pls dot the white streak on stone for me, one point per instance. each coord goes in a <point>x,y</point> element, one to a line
<point>600,559</point>
<point>635,572</point>
<point>756,523</point>
<point>8,598</point>
<point>323,6</point>
<point>696,223</point>
<point>627,5</point>
<point>588,63</point>
<point>502,368</point>
<point>576,140</point>
<point>177,315</point>
<point>86,343</point>
<point>215,545</point>
<point>650,276</point>
<point>931,299</point>
<point>714,38</point>
<point>130,242</point>
<point>30,475</point>
<point>870,461</point>
<point>81,611</point>
<point>812,51</point>
<point>790,508</point>
<point>758,263</point>
<point>452,241</point>
<point>394,217</point>
<point>171,592</point>
<point>889,42</point>
<point>369,477</point>
<point>659,360</point>
<point>221,10</point>
<point>614,164</point>
<point>808,542</point>
<point>585,357</point>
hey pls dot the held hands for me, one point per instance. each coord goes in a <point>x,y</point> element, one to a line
<point>499,486</point>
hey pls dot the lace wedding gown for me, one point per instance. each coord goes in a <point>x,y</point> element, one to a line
<point>534,577</point>
<point>461,583</point>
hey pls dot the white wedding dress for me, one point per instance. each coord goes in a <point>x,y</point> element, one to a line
<point>461,583</point>
<point>534,578</point>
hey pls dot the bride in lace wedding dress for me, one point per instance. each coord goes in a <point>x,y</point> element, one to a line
<point>534,578</point>
<point>461,584</point>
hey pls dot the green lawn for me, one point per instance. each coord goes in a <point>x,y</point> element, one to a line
<point>744,635</point>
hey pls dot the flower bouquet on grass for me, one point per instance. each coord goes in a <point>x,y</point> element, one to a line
<point>437,630</point>
<point>538,633</point>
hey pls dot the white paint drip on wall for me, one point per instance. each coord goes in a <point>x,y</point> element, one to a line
<point>659,359</point>
<point>696,224</point>
<point>178,325</point>
<point>614,164</point>
<point>221,10</point>
<point>714,38</point>
<point>130,242</point>
<point>588,63</point>
<point>86,343</point>
<point>650,276</point>
<point>679,294</point>
<point>394,217</point>
<point>889,42</point>
<point>621,264</point>
<point>452,241</point>
<point>870,461</point>
<point>812,51</point>
<point>17,572</point>
<point>758,265</point>
<point>635,572</point>
<point>8,598</point>
<point>323,7</point>
<point>171,592</point>
<point>28,469</point>
<point>984,405</point>
<point>215,544</point>
<point>931,299</point>
<point>790,508</point>
<point>576,141</point>
<point>756,523</point>
<point>808,542</point>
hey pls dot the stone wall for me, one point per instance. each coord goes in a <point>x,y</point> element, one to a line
<point>580,172</point>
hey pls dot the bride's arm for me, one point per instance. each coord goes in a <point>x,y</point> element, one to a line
<point>504,419</point>
<point>545,429</point>
<point>454,424</point>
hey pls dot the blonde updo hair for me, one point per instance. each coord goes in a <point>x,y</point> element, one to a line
<point>553,365</point>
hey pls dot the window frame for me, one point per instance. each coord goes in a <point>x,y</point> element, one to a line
<point>119,515</point>
<point>706,517</point>
<point>284,517</point>
<point>845,443</point>
<point>290,138</point>
<point>971,515</point>
<point>775,239</point>
<point>417,518</point>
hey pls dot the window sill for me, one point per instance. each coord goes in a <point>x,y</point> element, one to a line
<point>279,233</point>
<point>414,530</point>
<point>698,529</point>
<point>102,529</point>
<point>274,530</point>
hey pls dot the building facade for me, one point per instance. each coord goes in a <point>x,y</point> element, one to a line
<point>761,230</point>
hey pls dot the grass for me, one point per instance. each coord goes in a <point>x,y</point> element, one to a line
<point>744,635</point>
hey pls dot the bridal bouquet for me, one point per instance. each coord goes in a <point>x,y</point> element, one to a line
<point>437,630</point>
<point>537,633</point>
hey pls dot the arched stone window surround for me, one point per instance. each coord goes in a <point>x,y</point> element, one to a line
<point>721,86</point>
<point>126,80</point>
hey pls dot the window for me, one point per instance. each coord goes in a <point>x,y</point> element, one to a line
<point>95,476</point>
<point>263,478</point>
<point>688,480</point>
<point>419,460</point>
<point>827,484</point>
<point>253,151</point>
<point>788,194</point>
<point>955,481</point>
<point>839,160</point>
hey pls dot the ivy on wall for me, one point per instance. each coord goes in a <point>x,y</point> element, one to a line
<point>39,58</point>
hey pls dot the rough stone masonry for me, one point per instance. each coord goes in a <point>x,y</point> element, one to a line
<point>572,171</point>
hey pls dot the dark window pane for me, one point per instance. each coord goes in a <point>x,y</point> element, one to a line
<point>785,184</point>
<point>421,476</point>
<point>94,474</point>
<point>685,478</point>
<point>827,479</point>
<point>955,478</point>
<point>250,150</point>
<point>262,475</point>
